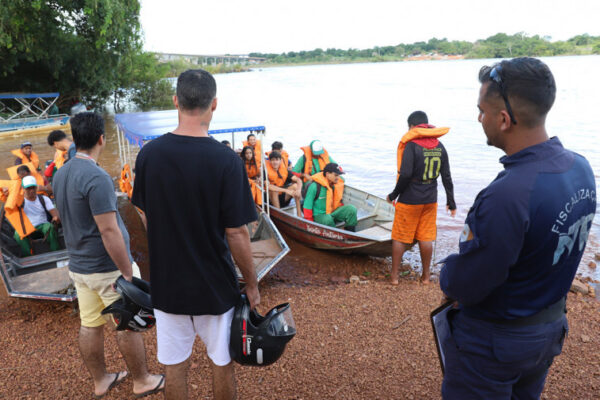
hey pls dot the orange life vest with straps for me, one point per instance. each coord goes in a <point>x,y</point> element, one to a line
<point>257,150</point>
<point>13,209</point>
<point>308,160</point>
<point>251,169</point>
<point>275,178</point>
<point>256,192</point>
<point>284,156</point>
<point>60,156</point>
<point>33,158</point>
<point>334,195</point>
<point>417,132</point>
<point>126,181</point>
<point>12,172</point>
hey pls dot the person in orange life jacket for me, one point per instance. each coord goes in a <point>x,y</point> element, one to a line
<point>37,213</point>
<point>313,160</point>
<point>282,185</point>
<point>323,201</point>
<point>278,146</point>
<point>23,171</point>
<point>65,150</point>
<point>26,155</point>
<point>421,159</point>
<point>255,145</point>
<point>252,166</point>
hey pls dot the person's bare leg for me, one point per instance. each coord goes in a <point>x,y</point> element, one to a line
<point>91,345</point>
<point>176,386</point>
<point>298,198</point>
<point>224,387</point>
<point>131,345</point>
<point>274,196</point>
<point>398,249</point>
<point>426,250</point>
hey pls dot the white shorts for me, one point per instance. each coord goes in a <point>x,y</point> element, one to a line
<point>175,335</point>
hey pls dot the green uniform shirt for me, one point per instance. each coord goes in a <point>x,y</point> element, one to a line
<point>319,205</point>
<point>299,167</point>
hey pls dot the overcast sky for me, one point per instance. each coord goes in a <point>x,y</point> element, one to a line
<point>275,26</point>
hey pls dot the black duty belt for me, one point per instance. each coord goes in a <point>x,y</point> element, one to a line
<point>548,314</point>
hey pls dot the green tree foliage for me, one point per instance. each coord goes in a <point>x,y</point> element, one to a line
<point>88,50</point>
<point>500,45</point>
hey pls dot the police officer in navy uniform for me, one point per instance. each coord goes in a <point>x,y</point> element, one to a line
<point>522,241</point>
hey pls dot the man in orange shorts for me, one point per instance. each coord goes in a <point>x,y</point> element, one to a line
<point>421,159</point>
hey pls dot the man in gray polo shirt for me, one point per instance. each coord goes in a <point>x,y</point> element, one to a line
<point>98,246</point>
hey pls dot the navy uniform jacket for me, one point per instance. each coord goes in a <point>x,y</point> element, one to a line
<point>524,236</point>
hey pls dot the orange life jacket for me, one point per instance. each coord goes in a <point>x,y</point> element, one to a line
<point>12,172</point>
<point>13,209</point>
<point>416,133</point>
<point>59,158</point>
<point>257,150</point>
<point>256,192</point>
<point>33,158</point>
<point>39,179</point>
<point>274,178</point>
<point>251,169</point>
<point>308,160</point>
<point>284,156</point>
<point>334,195</point>
<point>126,181</point>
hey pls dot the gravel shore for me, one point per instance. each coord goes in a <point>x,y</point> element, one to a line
<point>366,340</point>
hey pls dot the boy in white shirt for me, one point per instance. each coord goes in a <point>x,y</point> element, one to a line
<point>37,212</point>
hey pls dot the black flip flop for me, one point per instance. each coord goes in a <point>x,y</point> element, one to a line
<point>157,389</point>
<point>113,384</point>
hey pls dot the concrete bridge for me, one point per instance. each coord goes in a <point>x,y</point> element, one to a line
<point>203,59</point>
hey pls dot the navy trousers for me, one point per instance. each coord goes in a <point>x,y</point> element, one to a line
<point>491,361</point>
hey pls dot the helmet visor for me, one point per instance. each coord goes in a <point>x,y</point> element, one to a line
<point>281,322</point>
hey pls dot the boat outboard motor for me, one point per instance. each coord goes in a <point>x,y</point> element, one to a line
<point>133,311</point>
<point>257,340</point>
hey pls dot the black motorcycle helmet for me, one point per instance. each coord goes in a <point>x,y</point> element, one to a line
<point>258,340</point>
<point>133,311</point>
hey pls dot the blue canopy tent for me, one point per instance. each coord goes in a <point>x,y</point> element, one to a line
<point>138,128</point>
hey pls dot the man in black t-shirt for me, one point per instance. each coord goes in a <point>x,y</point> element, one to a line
<point>422,158</point>
<point>196,198</point>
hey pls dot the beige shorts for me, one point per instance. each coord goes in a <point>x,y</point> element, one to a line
<point>95,292</point>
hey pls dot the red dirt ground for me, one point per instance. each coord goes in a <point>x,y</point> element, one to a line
<point>361,341</point>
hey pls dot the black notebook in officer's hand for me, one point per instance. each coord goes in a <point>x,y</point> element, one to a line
<point>441,328</point>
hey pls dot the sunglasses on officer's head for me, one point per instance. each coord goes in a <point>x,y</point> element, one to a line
<point>495,77</point>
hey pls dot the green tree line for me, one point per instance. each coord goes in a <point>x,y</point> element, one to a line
<point>500,45</point>
<point>88,50</point>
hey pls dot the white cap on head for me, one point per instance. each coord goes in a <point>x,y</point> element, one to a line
<point>29,181</point>
<point>317,147</point>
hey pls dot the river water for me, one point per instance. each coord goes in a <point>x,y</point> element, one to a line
<point>359,112</point>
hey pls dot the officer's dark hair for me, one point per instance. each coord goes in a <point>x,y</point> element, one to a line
<point>23,168</point>
<point>87,127</point>
<point>250,135</point>
<point>274,155</point>
<point>417,118</point>
<point>56,136</point>
<point>277,145</point>
<point>528,84</point>
<point>196,89</point>
<point>225,142</point>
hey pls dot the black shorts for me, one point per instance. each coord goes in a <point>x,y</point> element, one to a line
<point>282,201</point>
